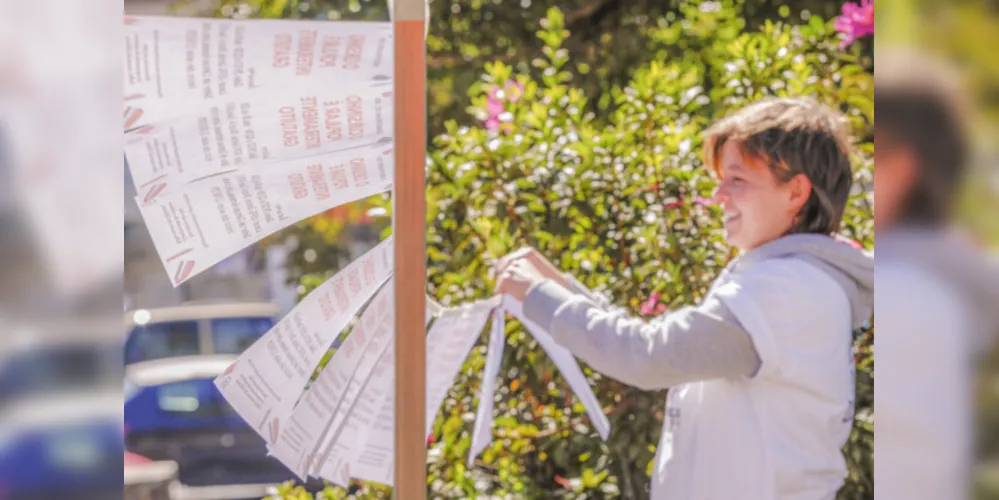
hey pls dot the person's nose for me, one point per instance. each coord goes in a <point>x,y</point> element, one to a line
<point>721,195</point>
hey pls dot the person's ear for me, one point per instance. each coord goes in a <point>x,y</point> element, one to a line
<point>799,190</point>
<point>902,167</point>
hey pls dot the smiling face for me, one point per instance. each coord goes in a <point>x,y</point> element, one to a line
<point>757,206</point>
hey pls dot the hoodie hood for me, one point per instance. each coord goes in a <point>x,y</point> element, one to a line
<point>950,256</point>
<point>851,267</point>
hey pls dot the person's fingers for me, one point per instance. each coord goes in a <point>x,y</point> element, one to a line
<point>510,273</point>
<point>501,284</point>
<point>505,261</point>
<point>514,255</point>
<point>528,269</point>
<point>507,285</point>
<point>510,259</point>
<point>543,265</point>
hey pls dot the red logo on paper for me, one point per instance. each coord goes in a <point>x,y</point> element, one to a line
<point>131,20</point>
<point>179,254</point>
<point>132,115</point>
<point>275,430</point>
<point>184,269</point>
<point>229,370</point>
<point>143,130</point>
<point>154,192</point>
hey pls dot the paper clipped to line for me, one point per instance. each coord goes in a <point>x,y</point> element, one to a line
<point>195,226</point>
<point>329,396</point>
<point>176,65</point>
<point>264,383</point>
<point>482,434</point>
<point>566,364</point>
<point>277,127</point>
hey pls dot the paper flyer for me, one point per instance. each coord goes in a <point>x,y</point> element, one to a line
<point>195,226</point>
<point>453,330</point>
<point>450,340</point>
<point>346,440</point>
<point>482,434</point>
<point>273,128</point>
<point>375,462</point>
<point>566,364</point>
<point>177,65</point>
<point>344,446</point>
<point>329,397</point>
<point>264,383</point>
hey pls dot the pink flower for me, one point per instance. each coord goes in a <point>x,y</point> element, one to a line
<point>699,200</point>
<point>652,306</point>
<point>496,102</point>
<point>848,241</point>
<point>492,123</point>
<point>857,21</point>
<point>494,107</point>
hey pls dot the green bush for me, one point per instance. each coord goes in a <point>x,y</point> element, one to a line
<point>614,199</point>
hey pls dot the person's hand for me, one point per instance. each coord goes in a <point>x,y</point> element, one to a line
<point>517,278</point>
<point>541,265</point>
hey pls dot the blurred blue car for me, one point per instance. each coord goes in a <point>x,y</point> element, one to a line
<point>173,411</point>
<point>60,423</point>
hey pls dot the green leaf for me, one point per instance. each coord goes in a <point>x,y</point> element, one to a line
<point>817,24</point>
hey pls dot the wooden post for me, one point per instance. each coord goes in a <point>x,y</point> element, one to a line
<point>409,220</point>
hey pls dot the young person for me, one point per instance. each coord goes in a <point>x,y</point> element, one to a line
<point>761,372</point>
<point>938,297</point>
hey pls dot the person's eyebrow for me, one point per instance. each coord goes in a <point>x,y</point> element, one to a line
<point>735,168</point>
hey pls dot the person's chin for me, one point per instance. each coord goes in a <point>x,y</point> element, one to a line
<point>731,234</point>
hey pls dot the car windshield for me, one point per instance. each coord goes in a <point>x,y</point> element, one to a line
<point>234,335</point>
<point>46,369</point>
<point>162,340</point>
<point>181,338</point>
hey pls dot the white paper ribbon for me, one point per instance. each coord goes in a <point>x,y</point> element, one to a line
<point>272,128</point>
<point>566,363</point>
<point>482,434</point>
<point>194,226</point>
<point>330,397</point>
<point>264,383</point>
<point>175,65</point>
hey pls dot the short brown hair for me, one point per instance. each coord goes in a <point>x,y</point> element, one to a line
<point>921,107</point>
<point>793,136</point>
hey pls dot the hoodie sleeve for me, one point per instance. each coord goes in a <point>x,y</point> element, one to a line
<point>691,344</point>
<point>575,286</point>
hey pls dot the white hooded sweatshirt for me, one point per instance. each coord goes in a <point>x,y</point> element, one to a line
<point>938,307</point>
<point>761,373</point>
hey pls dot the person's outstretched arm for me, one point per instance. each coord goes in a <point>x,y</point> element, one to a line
<point>690,344</point>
